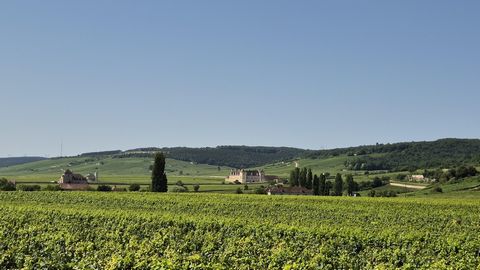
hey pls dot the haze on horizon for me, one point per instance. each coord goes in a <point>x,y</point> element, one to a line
<point>105,75</point>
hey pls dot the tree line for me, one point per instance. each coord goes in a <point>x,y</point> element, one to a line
<point>321,185</point>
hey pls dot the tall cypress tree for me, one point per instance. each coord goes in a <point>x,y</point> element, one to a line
<point>309,179</point>
<point>315,185</point>
<point>159,177</point>
<point>303,177</point>
<point>322,185</point>
<point>328,187</point>
<point>338,187</point>
<point>350,185</point>
<point>297,176</point>
<point>292,179</point>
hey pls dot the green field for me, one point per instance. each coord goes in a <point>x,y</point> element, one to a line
<point>93,230</point>
<point>53,168</point>
<point>122,172</point>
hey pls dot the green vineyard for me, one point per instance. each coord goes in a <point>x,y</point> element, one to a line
<point>92,230</point>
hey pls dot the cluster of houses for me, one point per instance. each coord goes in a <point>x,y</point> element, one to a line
<point>421,178</point>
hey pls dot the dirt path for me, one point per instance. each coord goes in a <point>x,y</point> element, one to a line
<point>407,186</point>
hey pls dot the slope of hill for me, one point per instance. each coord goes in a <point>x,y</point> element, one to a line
<point>12,161</point>
<point>231,156</point>
<point>107,167</point>
<point>463,188</point>
<point>442,153</point>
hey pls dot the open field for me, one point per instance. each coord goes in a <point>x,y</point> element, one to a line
<point>214,231</point>
<point>466,188</point>
<point>106,166</point>
<point>122,172</point>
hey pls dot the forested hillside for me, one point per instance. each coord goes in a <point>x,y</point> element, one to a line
<point>409,155</point>
<point>231,156</point>
<point>11,161</point>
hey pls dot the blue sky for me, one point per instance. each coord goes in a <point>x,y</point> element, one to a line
<point>103,75</point>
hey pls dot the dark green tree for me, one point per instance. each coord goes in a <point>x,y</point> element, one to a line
<point>338,187</point>
<point>303,177</point>
<point>6,185</point>
<point>322,185</point>
<point>315,185</point>
<point>309,183</point>
<point>292,179</point>
<point>328,187</point>
<point>159,177</point>
<point>350,185</point>
<point>296,177</point>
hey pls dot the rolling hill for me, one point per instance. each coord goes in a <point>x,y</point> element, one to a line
<point>216,162</point>
<point>12,161</point>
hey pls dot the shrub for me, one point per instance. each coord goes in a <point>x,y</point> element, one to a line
<point>179,189</point>
<point>377,182</point>
<point>245,187</point>
<point>52,188</point>
<point>260,190</point>
<point>134,187</point>
<point>6,185</point>
<point>29,187</point>
<point>179,183</point>
<point>196,187</point>
<point>239,191</point>
<point>104,188</point>
<point>437,189</point>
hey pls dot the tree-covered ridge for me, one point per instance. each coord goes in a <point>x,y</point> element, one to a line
<point>443,153</point>
<point>232,156</point>
<point>11,161</point>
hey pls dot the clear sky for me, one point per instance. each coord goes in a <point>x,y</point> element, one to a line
<point>104,75</point>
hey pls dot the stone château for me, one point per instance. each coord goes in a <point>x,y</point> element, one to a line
<point>70,180</point>
<point>246,176</point>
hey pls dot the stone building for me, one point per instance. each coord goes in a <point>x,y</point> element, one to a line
<point>73,181</point>
<point>246,176</point>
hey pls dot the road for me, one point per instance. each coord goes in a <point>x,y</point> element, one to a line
<point>407,186</point>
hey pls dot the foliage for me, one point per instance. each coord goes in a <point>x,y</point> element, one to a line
<point>407,156</point>
<point>6,185</point>
<point>338,187</point>
<point>316,185</point>
<point>232,156</point>
<point>309,182</point>
<point>134,187</point>
<point>351,185</point>
<point>196,187</point>
<point>159,177</point>
<point>93,230</point>
<point>455,173</point>
<point>52,188</point>
<point>104,188</point>
<point>260,190</point>
<point>29,187</point>
<point>179,189</point>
